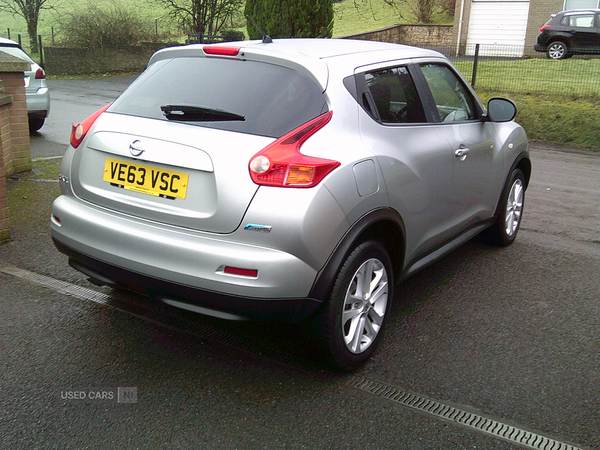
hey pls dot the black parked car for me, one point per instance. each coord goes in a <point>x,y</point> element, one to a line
<point>570,33</point>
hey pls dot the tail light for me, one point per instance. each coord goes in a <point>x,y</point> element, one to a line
<point>40,74</point>
<point>544,28</point>
<point>79,130</point>
<point>281,163</point>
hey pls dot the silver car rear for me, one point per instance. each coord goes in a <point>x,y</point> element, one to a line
<point>297,180</point>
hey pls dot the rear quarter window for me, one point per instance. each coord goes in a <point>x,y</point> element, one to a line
<point>272,99</point>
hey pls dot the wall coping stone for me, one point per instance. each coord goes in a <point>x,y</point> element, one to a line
<point>400,25</point>
<point>10,63</point>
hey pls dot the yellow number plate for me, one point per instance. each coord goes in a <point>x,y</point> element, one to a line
<point>145,179</point>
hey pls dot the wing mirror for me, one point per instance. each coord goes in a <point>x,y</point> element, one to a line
<point>501,110</point>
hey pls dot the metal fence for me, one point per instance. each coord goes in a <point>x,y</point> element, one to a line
<point>519,70</point>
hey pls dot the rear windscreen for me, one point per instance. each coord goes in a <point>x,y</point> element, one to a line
<point>271,99</point>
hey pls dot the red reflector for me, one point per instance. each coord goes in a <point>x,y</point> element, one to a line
<point>244,272</point>
<point>221,50</point>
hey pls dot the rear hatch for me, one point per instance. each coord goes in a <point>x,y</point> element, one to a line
<point>32,84</point>
<point>175,147</point>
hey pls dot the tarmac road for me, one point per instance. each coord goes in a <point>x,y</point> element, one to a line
<point>489,348</point>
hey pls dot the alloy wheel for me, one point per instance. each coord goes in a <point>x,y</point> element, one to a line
<point>365,305</point>
<point>514,207</point>
<point>557,50</point>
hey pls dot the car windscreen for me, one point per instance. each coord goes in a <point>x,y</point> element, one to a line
<point>243,96</point>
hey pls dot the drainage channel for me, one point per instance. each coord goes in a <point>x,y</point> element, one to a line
<point>476,422</point>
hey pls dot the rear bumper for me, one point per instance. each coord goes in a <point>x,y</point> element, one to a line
<point>204,302</point>
<point>38,103</point>
<point>539,48</point>
<point>176,264</point>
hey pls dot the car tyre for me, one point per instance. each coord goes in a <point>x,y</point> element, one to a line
<point>557,50</point>
<point>350,324</point>
<point>35,124</point>
<point>510,211</point>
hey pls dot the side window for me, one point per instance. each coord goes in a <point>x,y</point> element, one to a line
<point>453,100</point>
<point>583,21</point>
<point>395,96</point>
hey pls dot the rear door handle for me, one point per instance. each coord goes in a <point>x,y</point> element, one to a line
<point>461,153</point>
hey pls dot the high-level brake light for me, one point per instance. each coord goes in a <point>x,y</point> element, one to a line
<point>220,50</point>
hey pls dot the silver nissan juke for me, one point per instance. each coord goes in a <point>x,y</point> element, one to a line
<point>296,180</point>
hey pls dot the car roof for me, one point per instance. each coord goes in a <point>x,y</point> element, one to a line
<point>8,43</point>
<point>331,48</point>
<point>313,56</point>
<point>580,11</point>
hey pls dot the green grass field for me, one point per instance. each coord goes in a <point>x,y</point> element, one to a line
<point>376,14</point>
<point>577,78</point>
<point>558,101</point>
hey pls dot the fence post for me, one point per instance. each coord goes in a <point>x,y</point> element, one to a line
<point>41,49</point>
<point>475,60</point>
<point>20,43</point>
<point>8,32</point>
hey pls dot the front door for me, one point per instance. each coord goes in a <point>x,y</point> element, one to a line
<point>584,31</point>
<point>470,140</point>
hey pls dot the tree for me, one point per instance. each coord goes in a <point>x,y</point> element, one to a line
<point>108,25</point>
<point>424,10</point>
<point>290,18</point>
<point>30,11</point>
<point>202,16</point>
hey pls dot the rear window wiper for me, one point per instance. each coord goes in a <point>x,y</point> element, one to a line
<point>198,114</point>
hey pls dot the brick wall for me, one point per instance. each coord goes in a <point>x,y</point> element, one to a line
<point>4,222</point>
<point>15,150</point>
<point>418,35</point>
<point>539,13</point>
<point>17,155</point>
<point>83,61</point>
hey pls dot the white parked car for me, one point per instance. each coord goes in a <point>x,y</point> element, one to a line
<point>36,88</point>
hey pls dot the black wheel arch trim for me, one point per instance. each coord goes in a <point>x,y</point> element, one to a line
<point>523,162</point>
<point>382,224</point>
<point>566,40</point>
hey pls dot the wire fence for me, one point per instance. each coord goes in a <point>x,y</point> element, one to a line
<point>519,70</point>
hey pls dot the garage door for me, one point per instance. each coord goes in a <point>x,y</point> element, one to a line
<point>498,26</point>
